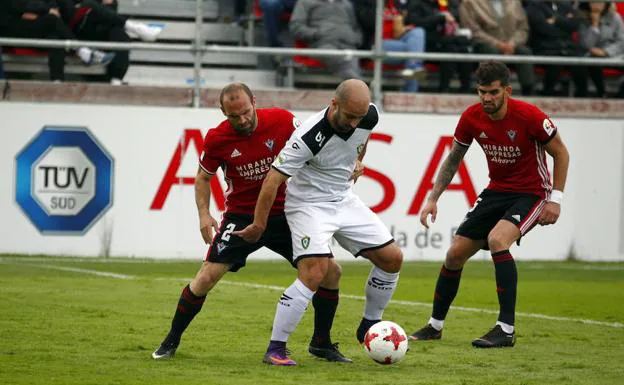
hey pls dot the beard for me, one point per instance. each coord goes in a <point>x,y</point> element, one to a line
<point>248,128</point>
<point>491,107</point>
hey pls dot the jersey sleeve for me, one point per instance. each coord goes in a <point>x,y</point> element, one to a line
<point>293,156</point>
<point>207,161</point>
<point>541,128</point>
<point>463,135</point>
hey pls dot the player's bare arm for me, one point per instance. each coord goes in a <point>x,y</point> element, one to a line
<point>271,184</point>
<point>207,223</point>
<point>561,159</point>
<point>359,166</point>
<point>445,176</point>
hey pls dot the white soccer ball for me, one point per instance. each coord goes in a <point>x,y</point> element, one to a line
<point>386,342</point>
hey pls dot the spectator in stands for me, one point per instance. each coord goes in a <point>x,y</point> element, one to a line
<point>500,27</point>
<point>552,26</point>
<point>98,20</point>
<point>440,21</point>
<point>397,37</point>
<point>41,20</point>
<point>329,24</point>
<point>272,11</point>
<point>602,34</point>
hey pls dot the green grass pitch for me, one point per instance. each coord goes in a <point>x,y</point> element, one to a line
<point>96,321</point>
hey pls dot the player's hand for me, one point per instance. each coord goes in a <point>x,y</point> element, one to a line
<point>431,208</point>
<point>206,224</point>
<point>55,12</point>
<point>251,233</point>
<point>358,171</point>
<point>550,214</point>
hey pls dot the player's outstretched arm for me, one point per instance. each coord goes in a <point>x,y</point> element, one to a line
<point>271,184</point>
<point>207,223</point>
<point>561,160</point>
<point>445,176</point>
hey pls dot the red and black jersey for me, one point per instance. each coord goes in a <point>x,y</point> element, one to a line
<point>513,146</point>
<point>245,160</point>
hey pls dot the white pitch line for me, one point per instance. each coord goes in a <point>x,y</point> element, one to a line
<point>349,296</point>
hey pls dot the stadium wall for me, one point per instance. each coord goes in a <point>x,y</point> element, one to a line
<point>152,211</point>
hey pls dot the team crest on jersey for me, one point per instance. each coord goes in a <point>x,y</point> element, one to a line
<point>511,134</point>
<point>220,247</point>
<point>305,242</point>
<point>269,144</point>
<point>360,148</point>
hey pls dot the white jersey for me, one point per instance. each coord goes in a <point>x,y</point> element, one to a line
<point>320,161</point>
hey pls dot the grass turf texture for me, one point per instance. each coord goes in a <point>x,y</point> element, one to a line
<point>72,327</point>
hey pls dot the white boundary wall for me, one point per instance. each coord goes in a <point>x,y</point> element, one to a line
<point>142,140</point>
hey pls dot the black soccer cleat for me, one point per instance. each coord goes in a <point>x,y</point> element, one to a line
<point>329,352</point>
<point>365,324</point>
<point>426,333</point>
<point>166,350</point>
<point>495,338</point>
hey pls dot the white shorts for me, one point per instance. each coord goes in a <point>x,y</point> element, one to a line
<point>350,222</point>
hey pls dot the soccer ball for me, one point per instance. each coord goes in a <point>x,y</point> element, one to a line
<point>386,342</point>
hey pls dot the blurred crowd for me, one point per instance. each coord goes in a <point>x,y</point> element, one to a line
<point>94,20</point>
<point>507,27</point>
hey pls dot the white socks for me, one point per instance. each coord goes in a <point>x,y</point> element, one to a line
<point>436,323</point>
<point>509,329</point>
<point>290,309</point>
<point>379,289</point>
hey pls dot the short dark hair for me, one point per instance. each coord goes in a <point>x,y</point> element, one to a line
<point>491,71</point>
<point>234,87</point>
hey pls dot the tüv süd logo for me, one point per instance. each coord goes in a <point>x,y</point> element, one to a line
<point>64,180</point>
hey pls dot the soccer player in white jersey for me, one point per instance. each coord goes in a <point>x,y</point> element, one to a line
<point>319,159</point>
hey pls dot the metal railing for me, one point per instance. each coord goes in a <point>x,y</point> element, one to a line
<point>377,53</point>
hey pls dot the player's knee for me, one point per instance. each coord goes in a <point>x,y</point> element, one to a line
<point>334,272</point>
<point>455,259</point>
<point>496,242</point>
<point>393,260</point>
<point>312,271</point>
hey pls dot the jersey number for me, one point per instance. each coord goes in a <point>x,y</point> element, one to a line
<point>228,230</point>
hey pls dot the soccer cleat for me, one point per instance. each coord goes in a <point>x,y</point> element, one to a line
<point>426,333</point>
<point>166,350</point>
<point>365,324</point>
<point>495,338</point>
<point>329,352</point>
<point>278,357</point>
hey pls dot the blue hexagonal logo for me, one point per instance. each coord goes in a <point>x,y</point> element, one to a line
<point>64,180</point>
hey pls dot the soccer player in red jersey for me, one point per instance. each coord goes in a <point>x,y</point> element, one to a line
<point>244,146</point>
<point>515,137</point>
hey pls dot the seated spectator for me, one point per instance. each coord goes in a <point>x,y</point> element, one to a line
<point>98,20</point>
<point>500,28</point>
<point>602,35</point>
<point>397,37</point>
<point>329,25</point>
<point>272,11</point>
<point>439,19</point>
<point>552,25</point>
<point>42,20</point>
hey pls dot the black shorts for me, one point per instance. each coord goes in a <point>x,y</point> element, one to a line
<point>233,250</point>
<point>523,210</point>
